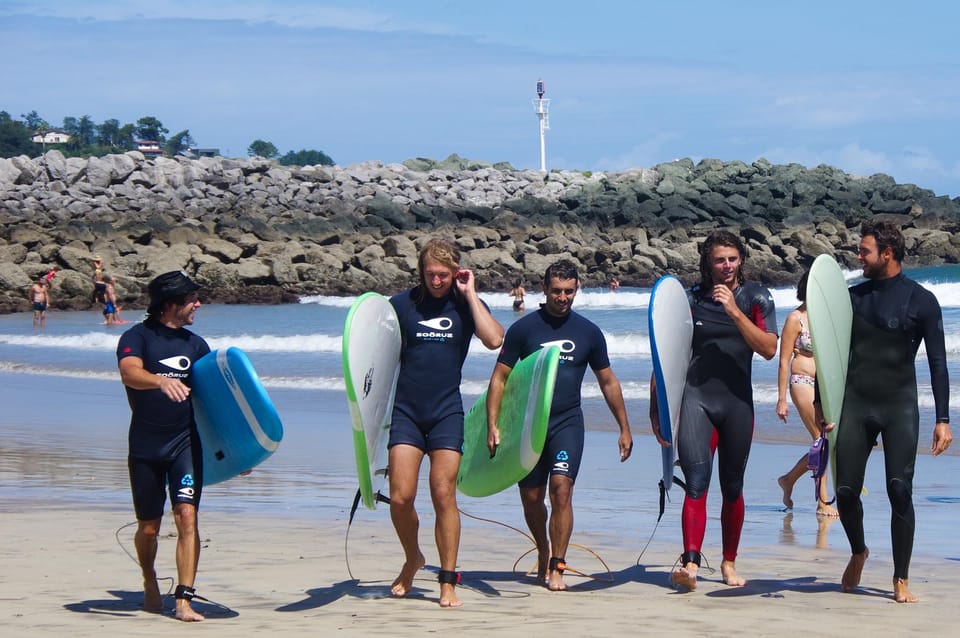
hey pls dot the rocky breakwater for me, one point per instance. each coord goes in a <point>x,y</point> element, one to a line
<point>254,231</point>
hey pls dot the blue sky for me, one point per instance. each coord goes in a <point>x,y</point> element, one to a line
<point>867,86</point>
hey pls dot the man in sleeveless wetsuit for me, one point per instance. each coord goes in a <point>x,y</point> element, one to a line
<point>156,358</point>
<point>891,316</point>
<point>732,319</point>
<point>581,344</point>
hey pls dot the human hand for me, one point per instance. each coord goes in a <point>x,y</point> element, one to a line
<point>464,280</point>
<point>174,389</point>
<point>493,440</point>
<point>942,438</point>
<point>626,445</point>
<point>782,409</point>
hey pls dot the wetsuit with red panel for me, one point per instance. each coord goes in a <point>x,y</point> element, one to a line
<point>716,414</point>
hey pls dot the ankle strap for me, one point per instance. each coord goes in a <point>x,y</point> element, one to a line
<point>182,592</point>
<point>558,564</point>
<point>448,577</point>
<point>690,556</point>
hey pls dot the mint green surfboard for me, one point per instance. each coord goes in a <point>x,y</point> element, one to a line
<point>831,320</point>
<point>371,365</point>
<point>523,418</point>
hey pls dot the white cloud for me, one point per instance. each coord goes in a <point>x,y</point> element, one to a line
<point>643,155</point>
<point>293,14</point>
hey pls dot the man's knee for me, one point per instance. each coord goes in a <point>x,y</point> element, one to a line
<point>185,517</point>
<point>900,494</point>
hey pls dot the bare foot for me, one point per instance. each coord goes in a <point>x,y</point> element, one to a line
<point>404,582</point>
<point>787,491</point>
<point>828,511</point>
<point>448,596</point>
<point>543,562</point>
<point>686,577</point>
<point>186,613</point>
<point>851,575</point>
<point>152,600</point>
<point>728,570</point>
<point>900,592</point>
<point>555,581</point>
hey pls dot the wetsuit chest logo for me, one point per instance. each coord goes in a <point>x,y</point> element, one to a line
<point>180,362</point>
<point>439,329</point>
<point>566,348</point>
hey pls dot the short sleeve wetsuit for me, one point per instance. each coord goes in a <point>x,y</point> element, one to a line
<point>581,344</point>
<point>428,409</point>
<point>890,319</point>
<point>717,411</point>
<point>164,447</point>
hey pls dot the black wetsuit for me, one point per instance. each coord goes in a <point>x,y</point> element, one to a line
<point>428,409</point>
<point>717,411</point>
<point>163,441</point>
<point>581,343</point>
<point>890,319</point>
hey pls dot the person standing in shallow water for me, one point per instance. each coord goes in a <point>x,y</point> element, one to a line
<point>892,315</point>
<point>798,370</point>
<point>437,320</point>
<point>518,293</point>
<point>732,319</point>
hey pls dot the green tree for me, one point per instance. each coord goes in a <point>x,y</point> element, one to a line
<point>125,137</point>
<point>179,142</point>
<point>150,128</point>
<point>306,158</point>
<point>15,137</point>
<point>259,148</point>
<point>108,133</point>
<point>34,122</point>
<point>86,131</point>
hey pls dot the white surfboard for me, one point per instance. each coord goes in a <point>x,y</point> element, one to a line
<point>671,338</point>
<point>371,366</point>
<point>831,320</point>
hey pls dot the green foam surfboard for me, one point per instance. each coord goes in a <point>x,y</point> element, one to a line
<point>524,415</point>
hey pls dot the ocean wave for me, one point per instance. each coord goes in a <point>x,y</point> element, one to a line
<point>764,394</point>
<point>784,297</point>
<point>630,344</point>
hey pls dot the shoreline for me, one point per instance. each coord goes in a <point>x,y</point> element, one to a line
<point>274,544</point>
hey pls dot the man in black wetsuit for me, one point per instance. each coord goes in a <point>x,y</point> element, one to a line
<point>582,344</point>
<point>156,358</point>
<point>891,316</point>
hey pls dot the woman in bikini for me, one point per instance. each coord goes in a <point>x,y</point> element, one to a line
<point>517,292</point>
<point>797,369</point>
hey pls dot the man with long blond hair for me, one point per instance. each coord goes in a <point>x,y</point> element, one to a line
<point>438,317</point>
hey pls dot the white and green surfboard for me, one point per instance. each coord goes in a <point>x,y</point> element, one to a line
<point>524,415</point>
<point>371,365</point>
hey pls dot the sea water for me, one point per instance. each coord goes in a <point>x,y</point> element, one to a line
<point>63,429</point>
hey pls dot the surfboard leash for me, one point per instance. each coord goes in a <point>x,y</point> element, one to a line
<point>173,584</point>
<point>664,497</point>
<point>530,538</point>
<point>380,498</point>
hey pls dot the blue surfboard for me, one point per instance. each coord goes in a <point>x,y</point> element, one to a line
<point>239,426</point>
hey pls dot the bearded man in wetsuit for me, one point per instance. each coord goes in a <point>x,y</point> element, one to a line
<point>156,360</point>
<point>891,316</point>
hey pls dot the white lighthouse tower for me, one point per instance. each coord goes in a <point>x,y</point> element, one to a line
<point>542,108</point>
